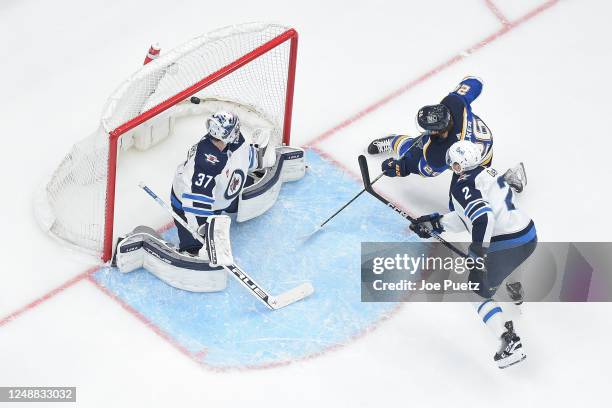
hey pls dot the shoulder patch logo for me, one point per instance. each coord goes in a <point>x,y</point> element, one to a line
<point>211,158</point>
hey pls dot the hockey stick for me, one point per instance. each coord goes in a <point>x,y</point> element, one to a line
<point>273,302</point>
<point>417,140</point>
<point>365,175</point>
<point>319,227</point>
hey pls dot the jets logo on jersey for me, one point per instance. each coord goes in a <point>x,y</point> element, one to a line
<point>235,184</point>
<point>211,158</point>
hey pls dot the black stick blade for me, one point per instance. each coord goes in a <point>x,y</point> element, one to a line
<point>365,173</point>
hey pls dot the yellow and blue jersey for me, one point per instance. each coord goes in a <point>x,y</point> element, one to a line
<point>429,159</point>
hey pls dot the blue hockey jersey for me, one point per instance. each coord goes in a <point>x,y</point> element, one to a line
<point>430,160</point>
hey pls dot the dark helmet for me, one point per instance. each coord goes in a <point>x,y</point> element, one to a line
<point>434,117</point>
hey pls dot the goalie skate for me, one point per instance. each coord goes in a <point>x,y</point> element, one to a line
<point>516,177</point>
<point>511,351</point>
<point>381,145</point>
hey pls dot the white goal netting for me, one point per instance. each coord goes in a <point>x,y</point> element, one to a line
<point>246,65</point>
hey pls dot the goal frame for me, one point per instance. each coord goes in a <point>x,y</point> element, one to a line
<point>289,35</point>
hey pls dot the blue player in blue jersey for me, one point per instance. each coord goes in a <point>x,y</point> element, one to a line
<point>444,124</point>
<point>482,203</point>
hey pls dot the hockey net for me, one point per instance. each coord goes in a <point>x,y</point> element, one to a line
<point>247,68</point>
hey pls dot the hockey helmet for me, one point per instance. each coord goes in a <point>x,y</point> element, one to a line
<point>465,154</point>
<point>434,117</point>
<point>224,126</point>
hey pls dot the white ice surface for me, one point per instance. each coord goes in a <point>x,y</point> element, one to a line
<point>545,98</point>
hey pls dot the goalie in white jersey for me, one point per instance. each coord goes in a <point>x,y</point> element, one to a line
<point>213,175</point>
<point>481,202</point>
<point>222,174</point>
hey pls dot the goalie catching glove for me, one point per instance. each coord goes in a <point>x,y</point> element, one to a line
<point>265,154</point>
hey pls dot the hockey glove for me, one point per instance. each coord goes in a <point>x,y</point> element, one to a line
<point>426,223</point>
<point>393,168</point>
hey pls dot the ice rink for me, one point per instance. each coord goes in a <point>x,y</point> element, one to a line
<point>364,69</point>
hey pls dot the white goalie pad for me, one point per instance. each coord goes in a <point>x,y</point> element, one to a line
<point>259,197</point>
<point>218,245</point>
<point>144,248</point>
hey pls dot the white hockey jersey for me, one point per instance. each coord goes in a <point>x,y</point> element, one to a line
<point>210,180</point>
<point>482,202</point>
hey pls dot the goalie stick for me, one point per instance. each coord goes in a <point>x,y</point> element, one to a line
<point>365,175</point>
<point>273,302</point>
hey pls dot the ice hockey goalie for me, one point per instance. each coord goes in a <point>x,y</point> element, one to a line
<point>225,175</point>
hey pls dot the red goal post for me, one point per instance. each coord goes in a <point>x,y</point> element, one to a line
<point>253,64</point>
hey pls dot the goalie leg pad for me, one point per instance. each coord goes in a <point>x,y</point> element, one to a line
<point>218,243</point>
<point>144,248</point>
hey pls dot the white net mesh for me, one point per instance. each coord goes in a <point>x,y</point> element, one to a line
<point>73,205</point>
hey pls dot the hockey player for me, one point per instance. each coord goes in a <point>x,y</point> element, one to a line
<point>444,124</point>
<point>482,202</point>
<point>223,173</point>
<point>213,175</point>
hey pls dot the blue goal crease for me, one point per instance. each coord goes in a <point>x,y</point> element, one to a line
<point>231,328</point>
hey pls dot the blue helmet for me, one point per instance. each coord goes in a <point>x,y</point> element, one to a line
<point>224,126</point>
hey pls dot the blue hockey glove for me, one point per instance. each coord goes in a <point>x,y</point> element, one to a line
<point>422,225</point>
<point>393,168</point>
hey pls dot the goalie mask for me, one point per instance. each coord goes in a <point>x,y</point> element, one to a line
<point>224,126</point>
<point>463,156</point>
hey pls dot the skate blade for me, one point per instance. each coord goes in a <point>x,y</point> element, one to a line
<point>510,361</point>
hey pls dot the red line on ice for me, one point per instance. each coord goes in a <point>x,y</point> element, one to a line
<point>432,72</point>
<point>69,283</point>
<point>156,329</point>
<point>497,12</point>
<point>195,356</point>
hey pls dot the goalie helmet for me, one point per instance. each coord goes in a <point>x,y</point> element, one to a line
<point>224,126</point>
<point>465,154</point>
<point>434,118</point>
